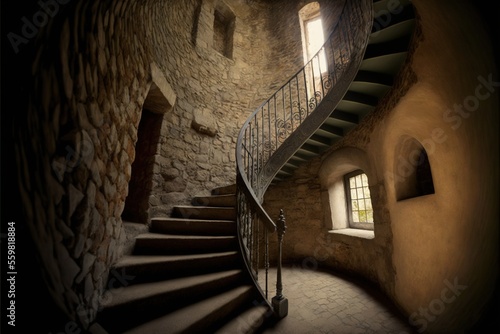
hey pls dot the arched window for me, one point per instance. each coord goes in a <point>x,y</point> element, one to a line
<point>312,36</point>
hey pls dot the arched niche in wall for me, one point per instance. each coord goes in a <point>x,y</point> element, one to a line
<point>159,101</point>
<point>412,170</point>
<point>334,168</point>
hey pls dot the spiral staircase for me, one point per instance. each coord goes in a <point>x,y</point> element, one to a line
<point>385,54</point>
<point>197,271</point>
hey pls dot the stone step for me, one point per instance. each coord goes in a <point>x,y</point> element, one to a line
<point>225,190</point>
<point>193,226</point>
<point>136,269</point>
<point>247,321</point>
<point>215,200</point>
<point>204,212</point>
<point>132,230</point>
<point>196,318</point>
<point>393,46</point>
<point>151,300</point>
<point>156,243</point>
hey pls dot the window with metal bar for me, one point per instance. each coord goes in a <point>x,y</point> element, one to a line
<point>359,204</point>
<point>314,41</point>
<point>316,66</point>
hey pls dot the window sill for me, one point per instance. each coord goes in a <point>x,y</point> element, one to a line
<point>365,234</point>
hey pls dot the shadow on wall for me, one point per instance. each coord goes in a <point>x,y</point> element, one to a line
<point>30,303</point>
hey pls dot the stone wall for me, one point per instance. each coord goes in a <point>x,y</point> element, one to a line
<point>283,26</point>
<point>215,95</point>
<point>89,74</point>
<point>90,78</point>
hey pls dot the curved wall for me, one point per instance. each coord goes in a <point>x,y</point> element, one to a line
<point>436,256</point>
<point>85,80</point>
<point>88,73</point>
<point>446,244</point>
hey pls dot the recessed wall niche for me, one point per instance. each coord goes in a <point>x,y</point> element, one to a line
<point>412,170</point>
<point>334,168</point>
<point>224,22</point>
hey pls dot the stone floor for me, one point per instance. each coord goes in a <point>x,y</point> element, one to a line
<point>326,302</point>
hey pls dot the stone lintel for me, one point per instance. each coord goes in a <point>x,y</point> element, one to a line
<point>161,97</point>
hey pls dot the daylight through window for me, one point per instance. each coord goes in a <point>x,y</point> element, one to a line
<point>359,204</point>
<point>315,40</point>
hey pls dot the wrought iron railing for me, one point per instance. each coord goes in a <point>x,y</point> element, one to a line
<point>279,127</point>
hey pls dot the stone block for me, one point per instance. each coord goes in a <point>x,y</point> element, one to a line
<point>88,262</point>
<point>67,266</point>
<point>204,122</point>
<point>75,197</point>
<point>161,97</point>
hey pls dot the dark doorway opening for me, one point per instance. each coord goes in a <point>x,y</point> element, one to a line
<point>141,182</point>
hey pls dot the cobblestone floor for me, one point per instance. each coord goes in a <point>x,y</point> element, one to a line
<point>326,302</point>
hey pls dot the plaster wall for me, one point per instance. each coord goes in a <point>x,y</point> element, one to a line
<point>452,235</point>
<point>436,253</point>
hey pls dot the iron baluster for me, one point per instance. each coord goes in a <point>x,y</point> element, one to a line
<point>258,158</point>
<point>275,123</point>
<point>280,303</point>
<point>266,260</point>
<point>269,141</point>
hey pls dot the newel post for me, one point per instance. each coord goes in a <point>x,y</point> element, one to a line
<point>279,302</point>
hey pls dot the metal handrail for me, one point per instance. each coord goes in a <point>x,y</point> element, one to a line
<point>280,125</point>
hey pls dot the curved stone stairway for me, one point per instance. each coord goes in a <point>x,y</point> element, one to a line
<point>394,22</point>
<point>185,276</point>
